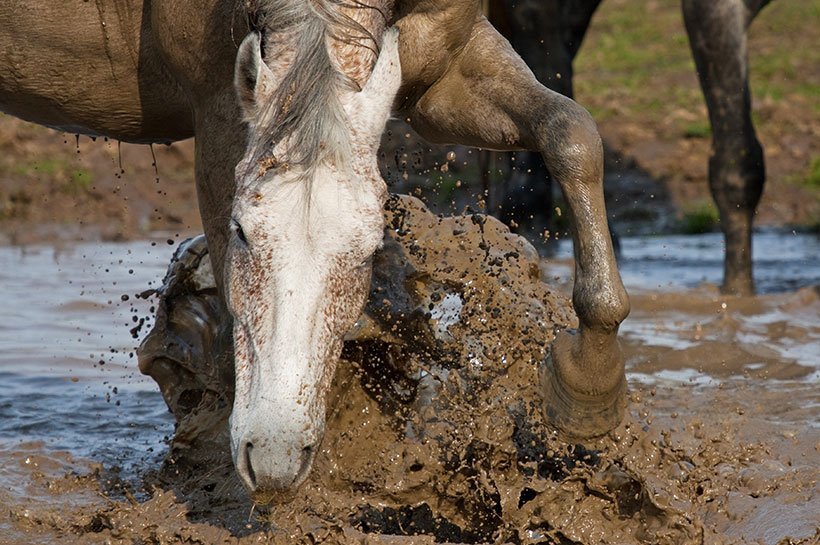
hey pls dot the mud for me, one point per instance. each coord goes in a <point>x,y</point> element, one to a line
<point>435,431</point>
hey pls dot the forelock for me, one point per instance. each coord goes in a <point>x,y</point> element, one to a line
<point>303,124</point>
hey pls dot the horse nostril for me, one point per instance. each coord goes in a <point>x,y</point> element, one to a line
<point>251,475</point>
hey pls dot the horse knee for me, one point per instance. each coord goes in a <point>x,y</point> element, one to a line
<point>571,144</point>
<point>573,153</point>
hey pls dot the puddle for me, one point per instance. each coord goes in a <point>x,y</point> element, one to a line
<point>68,377</point>
<point>783,260</point>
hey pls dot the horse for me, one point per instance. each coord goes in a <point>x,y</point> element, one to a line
<point>285,99</point>
<point>717,31</point>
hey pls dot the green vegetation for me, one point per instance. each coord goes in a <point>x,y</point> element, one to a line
<point>700,218</point>
<point>812,178</point>
<point>782,67</point>
<point>698,129</point>
<point>637,56</point>
<point>78,182</point>
<point>69,178</point>
<point>45,168</point>
<point>631,51</point>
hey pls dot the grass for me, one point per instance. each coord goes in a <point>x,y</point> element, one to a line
<point>637,56</point>
<point>46,167</point>
<point>699,218</point>
<point>632,48</point>
<point>781,64</point>
<point>698,129</point>
<point>70,179</point>
<point>78,182</point>
<point>812,176</point>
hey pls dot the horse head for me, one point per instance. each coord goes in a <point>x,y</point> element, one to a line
<point>306,220</point>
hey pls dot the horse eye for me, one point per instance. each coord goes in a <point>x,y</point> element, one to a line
<point>240,234</point>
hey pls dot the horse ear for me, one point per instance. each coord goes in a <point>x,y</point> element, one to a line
<point>370,109</point>
<point>253,80</point>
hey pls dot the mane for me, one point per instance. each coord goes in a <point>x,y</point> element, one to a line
<point>305,112</point>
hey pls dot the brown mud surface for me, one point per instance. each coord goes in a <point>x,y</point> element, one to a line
<point>689,466</point>
<point>443,441</point>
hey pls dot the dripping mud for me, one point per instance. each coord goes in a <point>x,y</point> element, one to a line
<point>434,427</point>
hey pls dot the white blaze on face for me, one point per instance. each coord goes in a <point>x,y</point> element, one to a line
<point>297,276</point>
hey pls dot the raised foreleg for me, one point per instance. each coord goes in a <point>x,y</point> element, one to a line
<point>489,98</point>
<point>717,35</point>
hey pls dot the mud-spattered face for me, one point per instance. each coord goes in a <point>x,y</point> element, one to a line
<point>297,273</point>
<point>297,279</point>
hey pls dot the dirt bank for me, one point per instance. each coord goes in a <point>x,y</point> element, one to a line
<point>634,73</point>
<point>55,187</point>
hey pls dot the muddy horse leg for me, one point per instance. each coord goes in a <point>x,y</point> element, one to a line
<point>489,98</point>
<point>717,36</point>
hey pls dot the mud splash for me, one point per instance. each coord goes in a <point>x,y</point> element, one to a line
<point>435,433</point>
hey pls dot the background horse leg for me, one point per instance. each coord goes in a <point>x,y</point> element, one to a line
<point>717,35</point>
<point>489,98</point>
<point>547,34</point>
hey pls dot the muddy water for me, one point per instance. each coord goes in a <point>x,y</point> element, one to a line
<point>67,376</point>
<point>722,444</point>
<point>783,260</point>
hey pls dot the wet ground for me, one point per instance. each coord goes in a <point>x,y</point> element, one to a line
<point>722,443</point>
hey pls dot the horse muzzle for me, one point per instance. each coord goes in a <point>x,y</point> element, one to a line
<point>274,463</point>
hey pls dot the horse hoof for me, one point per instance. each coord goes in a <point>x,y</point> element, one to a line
<point>573,410</point>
